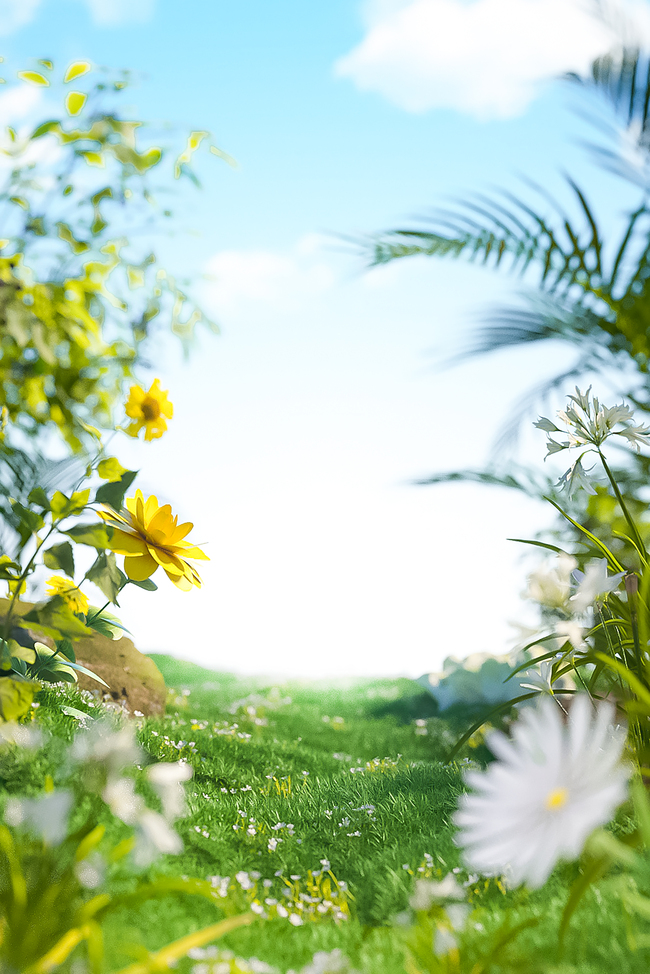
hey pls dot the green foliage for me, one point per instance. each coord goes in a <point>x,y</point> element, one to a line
<point>68,276</point>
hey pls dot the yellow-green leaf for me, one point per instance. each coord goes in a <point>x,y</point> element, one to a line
<point>75,70</point>
<point>16,697</point>
<point>21,652</point>
<point>162,959</point>
<point>94,159</point>
<point>74,102</point>
<point>33,77</point>
<point>111,469</point>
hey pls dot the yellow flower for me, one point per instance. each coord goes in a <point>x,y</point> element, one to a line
<point>69,592</point>
<point>148,410</point>
<point>150,537</point>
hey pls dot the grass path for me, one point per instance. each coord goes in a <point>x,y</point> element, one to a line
<point>318,806</point>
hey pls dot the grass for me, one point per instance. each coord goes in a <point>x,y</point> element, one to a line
<point>339,793</point>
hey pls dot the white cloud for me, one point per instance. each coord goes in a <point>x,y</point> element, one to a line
<point>488,58</point>
<point>239,279</point>
<point>16,13</point>
<point>112,13</point>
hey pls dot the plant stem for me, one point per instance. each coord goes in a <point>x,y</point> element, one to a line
<point>626,514</point>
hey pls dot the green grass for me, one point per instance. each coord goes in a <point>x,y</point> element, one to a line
<point>352,779</point>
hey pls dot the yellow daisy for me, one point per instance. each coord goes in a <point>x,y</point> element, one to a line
<point>69,592</point>
<point>149,537</point>
<point>148,410</point>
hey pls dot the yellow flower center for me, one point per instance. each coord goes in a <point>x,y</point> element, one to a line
<point>150,408</point>
<point>556,798</point>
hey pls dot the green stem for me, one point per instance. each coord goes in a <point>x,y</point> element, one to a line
<point>626,514</point>
<point>97,614</point>
<point>19,583</point>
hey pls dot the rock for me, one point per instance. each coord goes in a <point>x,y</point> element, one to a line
<point>134,680</point>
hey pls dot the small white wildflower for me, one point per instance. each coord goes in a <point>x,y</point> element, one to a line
<point>428,891</point>
<point>551,786</point>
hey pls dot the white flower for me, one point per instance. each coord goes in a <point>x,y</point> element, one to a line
<point>589,423</point>
<point>120,795</point>
<point>22,735</point>
<point>550,585</point>
<point>592,583</point>
<point>154,836</point>
<point>102,743</point>
<point>541,680</point>
<point>167,780</point>
<point>47,815</point>
<point>551,786</point>
<point>572,632</point>
<point>575,477</point>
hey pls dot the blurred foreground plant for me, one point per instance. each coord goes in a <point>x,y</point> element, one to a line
<point>55,888</point>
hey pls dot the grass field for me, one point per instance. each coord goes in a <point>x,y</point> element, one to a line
<point>318,806</point>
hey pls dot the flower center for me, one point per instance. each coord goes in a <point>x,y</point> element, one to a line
<point>150,408</point>
<point>556,798</point>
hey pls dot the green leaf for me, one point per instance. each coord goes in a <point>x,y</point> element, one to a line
<point>60,556</point>
<point>73,712</point>
<point>65,646</point>
<point>44,129</point>
<point>105,574</point>
<point>38,497</point>
<point>75,70</point>
<point>113,493</point>
<point>93,535</point>
<point>111,469</point>
<point>30,521</point>
<point>33,77</point>
<point>74,102</point>
<point>55,618</point>
<point>65,233</point>
<point>84,669</point>
<point>107,625</point>
<point>147,584</point>
<point>16,651</point>
<point>16,697</point>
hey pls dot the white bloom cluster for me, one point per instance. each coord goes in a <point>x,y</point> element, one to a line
<point>551,586</point>
<point>104,752</point>
<point>550,787</point>
<point>587,425</point>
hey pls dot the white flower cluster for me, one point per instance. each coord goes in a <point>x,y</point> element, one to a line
<point>587,425</point>
<point>104,753</point>
<point>551,586</point>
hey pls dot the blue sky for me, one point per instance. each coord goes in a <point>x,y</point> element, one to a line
<point>298,430</point>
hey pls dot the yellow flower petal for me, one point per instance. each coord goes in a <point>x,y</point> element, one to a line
<point>139,568</point>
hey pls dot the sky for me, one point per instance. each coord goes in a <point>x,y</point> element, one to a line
<point>299,430</point>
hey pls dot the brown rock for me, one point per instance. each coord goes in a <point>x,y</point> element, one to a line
<point>134,680</point>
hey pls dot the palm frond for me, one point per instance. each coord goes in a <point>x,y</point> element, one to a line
<point>621,81</point>
<point>506,230</point>
<point>524,479</point>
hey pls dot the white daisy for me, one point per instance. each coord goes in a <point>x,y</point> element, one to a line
<point>552,785</point>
